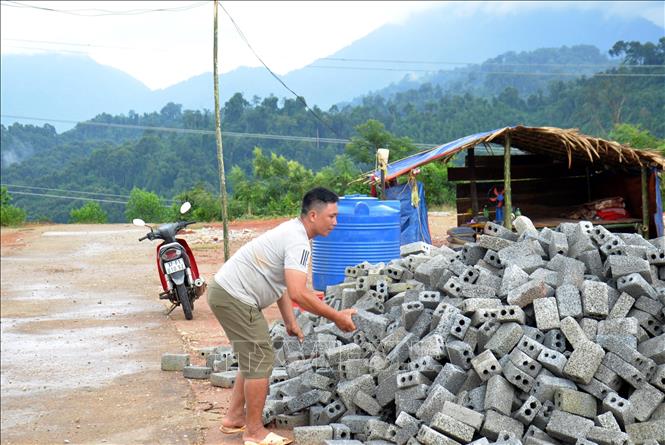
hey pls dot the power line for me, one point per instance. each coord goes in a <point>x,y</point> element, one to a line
<point>202,132</point>
<point>298,97</point>
<point>46,195</point>
<point>439,62</point>
<point>514,73</point>
<point>85,45</point>
<point>72,191</point>
<point>97,12</point>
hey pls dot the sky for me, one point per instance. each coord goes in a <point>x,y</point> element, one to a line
<point>161,48</point>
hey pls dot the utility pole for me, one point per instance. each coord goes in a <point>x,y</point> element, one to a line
<point>220,151</point>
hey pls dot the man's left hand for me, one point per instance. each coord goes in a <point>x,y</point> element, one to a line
<point>294,330</point>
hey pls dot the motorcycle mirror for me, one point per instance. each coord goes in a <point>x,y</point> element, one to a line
<point>184,208</point>
<point>138,222</point>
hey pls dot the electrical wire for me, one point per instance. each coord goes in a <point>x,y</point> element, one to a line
<point>97,12</point>
<point>71,191</point>
<point>47,195</point>
<point>203,132</point>
<point>434,62</point>
<point>514,73</point>
<point>298,97</point>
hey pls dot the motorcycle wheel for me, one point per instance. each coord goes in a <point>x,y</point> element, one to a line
<point>185,302</point>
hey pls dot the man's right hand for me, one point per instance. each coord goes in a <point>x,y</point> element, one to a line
<point>344,321</point>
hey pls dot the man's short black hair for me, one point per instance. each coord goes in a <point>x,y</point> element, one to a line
<point>316,197</point>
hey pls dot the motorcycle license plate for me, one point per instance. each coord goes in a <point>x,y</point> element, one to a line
<point>174,266</point>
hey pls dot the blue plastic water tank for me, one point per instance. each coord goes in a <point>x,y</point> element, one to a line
<point>367,229</point>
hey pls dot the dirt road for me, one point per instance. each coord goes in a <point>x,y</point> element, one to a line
<point>83,333</point>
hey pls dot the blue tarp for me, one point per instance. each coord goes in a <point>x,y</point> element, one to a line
<point>405,165</point>
<point>413,220</point>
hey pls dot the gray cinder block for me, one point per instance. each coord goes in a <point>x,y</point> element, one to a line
<point>467,416</point>
<point>527,412</point>
<point>486,365</point>
<point>569,301</point>
<point>620,407</point>
<point>196,372</point>
<point>645,400</point>
<point>547,313</point>
<point>452,428</point>
<point>428,436</point>
<point>495,423</point>
<point>642,432</point>
<point>575,402</point>
<point>525,294</point>
<point>434,403</point>
<point>499,395</point>
<point>568,427</point>
<point>504,339</point>
<point>315,435</point>
<point>595,299</point>
<point>583,362</point>
<point>174,362</point>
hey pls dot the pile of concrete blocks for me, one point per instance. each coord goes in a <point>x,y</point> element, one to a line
<point>536,337</point>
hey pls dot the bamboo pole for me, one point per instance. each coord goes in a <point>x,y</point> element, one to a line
<point>645,203</point>
<point>507,192</point>
<point>220,150</point>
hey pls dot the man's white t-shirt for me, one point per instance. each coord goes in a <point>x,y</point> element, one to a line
<point>255,273</point>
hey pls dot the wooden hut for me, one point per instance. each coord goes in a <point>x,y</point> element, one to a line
<point>548,172</point>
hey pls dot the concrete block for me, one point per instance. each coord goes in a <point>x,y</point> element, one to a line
<point>430,346</point>
<point>530,347</point>
<point>499,395</point>
<point>547,313</point>
<point>357,423</point>
<point>428,436</point>
<point>459,326</point>
<point>475,398</point>
<point>553,361</point>
<point>459,353</point>
<point>486,365</point>
<point>342,353</point>
<point>452,427</point>
<point>619,265</point>
<point>596,388</point>
<point>467,416</point>
<point>583,362</point>
<point>499,231</point>
<point>434,403</point>
<point>528,292</point>
<point>410,313</point>
<point>486,331</point>
<point>656,257</point>
<point>341,432</point>
<point>595,299</point>
<point>513,278</point>
<point>304,400</point>
<point>517,377</point>
<point>604,436</point>
<point>658,378</point>
<point>621,408</point>
<point>314,435</point>
<point>533,332</point>
<point>196,372</point>
<point>174,362</point>
<point>569,301</point>
<point>573,332</point>
<point>495,423</point>
<point>545,386</point>
<point>504,339</point>
<point>628,354</point>
<point>524,362</point>
<point>654,349</point>
<point>575,402</point>
<point>290,421</point>
<point>554,340</point>
<point>380,430</point>
<point>568,427</point>
<point>622,306</point>
<point>427,366</point>
<point>544,415</point>
<point>645,400</point>
<point>527,412</point>
<point>635,285</point>
<point>411,378</point>
<point>651,306</point>
<point>590,328</point>
<point>640,433</point>
<point>624,369</point>
<point>648,323</point>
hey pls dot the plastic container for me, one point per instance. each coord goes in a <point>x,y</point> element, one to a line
<point>367,229</point>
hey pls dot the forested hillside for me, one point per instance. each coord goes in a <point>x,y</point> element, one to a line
<point>106,155</point>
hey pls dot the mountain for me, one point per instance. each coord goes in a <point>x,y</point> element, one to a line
<point>76,88</point>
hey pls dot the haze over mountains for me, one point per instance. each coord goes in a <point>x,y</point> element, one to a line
<point>77,88</point>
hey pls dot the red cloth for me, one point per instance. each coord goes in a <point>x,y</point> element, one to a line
<point>612,213</point>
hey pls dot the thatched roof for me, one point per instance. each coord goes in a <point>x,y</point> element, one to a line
<point>568,145</point>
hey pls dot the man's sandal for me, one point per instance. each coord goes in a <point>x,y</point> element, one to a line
<point>270,439</point>
<point>232,429</point>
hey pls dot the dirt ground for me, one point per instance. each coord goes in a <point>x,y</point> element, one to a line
<point>83,333</point>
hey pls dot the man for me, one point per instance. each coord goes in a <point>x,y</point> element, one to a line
<point>271,268</point>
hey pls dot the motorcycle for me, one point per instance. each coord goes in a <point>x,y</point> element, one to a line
<point>176,265</point>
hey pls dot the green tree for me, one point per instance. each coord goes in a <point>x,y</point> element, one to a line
<point>373,135</point>
<point>9,214</point>
<point>637,137</point>
<point>205,205</point>
<point>636,53</point>
<point>90,213</point>
<point>145,205</point>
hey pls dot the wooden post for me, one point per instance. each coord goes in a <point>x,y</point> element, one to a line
<point>645,203</point>
<point>471,163</point>
<point>220,151</point>
<point>507,192</point>
<point>383,184</point>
